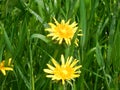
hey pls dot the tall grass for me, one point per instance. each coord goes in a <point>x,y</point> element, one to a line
<point>23,38</point>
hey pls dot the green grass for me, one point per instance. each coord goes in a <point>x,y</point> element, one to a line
<point>23,38</point>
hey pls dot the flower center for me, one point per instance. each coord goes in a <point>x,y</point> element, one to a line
<point>64,72</point>
<point>64,31</point>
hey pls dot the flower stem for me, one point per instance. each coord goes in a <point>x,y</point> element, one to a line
<point>62,87</point>
<point>31,71</point>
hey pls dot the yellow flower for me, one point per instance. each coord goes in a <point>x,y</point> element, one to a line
<point>66,71</point>
<point>3,68</point>
<point>62,31</point>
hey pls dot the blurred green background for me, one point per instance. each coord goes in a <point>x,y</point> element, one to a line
<point>23,38</point>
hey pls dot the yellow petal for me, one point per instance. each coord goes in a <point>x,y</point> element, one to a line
<point>48,71</point>
<point>52,25</point>
<point>63,81</point>
<point>80,34</point>
<point>54,37</point>
<point>55,63</point>
<point>76,75</point>
<point>77,67</point>
<point>62,22</point>
<point>69,60</point>
<point>49,76</point>
<point>76,72</point>
<point>62,59</point>
<point>8,68</point>
<point>75,29</point>
<point>67,41</point>
<point>49,29</point>
<point>74,62</point>
<point>73,24</point>
<point>76,42</point>
<point>50,66</point>
<point>56,21</point>
<point>9,61</point>
<point>3,71</point>
<point>60,41</point>
<point>68,22</point>
<point>55,78</point>
<point>51,34</point>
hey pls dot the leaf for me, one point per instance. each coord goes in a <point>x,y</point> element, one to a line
<point>99,55</point>
<point>40,36</point>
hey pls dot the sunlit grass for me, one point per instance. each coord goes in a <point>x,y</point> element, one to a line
<point>23,38</point>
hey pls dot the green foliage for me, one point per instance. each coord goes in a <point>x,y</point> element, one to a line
<point>23,38</point>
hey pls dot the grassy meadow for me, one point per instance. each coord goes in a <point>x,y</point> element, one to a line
<point>24,39</point>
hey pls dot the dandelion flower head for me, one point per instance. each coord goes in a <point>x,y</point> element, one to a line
<point>63,31</point>
<point>66,71</point>
<point>4,68</point>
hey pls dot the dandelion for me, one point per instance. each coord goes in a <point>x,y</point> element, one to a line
<point>63,31</point>
<point>66,71</point>
<point>3,68</point>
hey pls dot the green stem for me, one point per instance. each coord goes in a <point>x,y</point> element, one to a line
<point>106,80</point>
<point>62,87</point>
<point>31,71</point>
<point>65,87</point>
